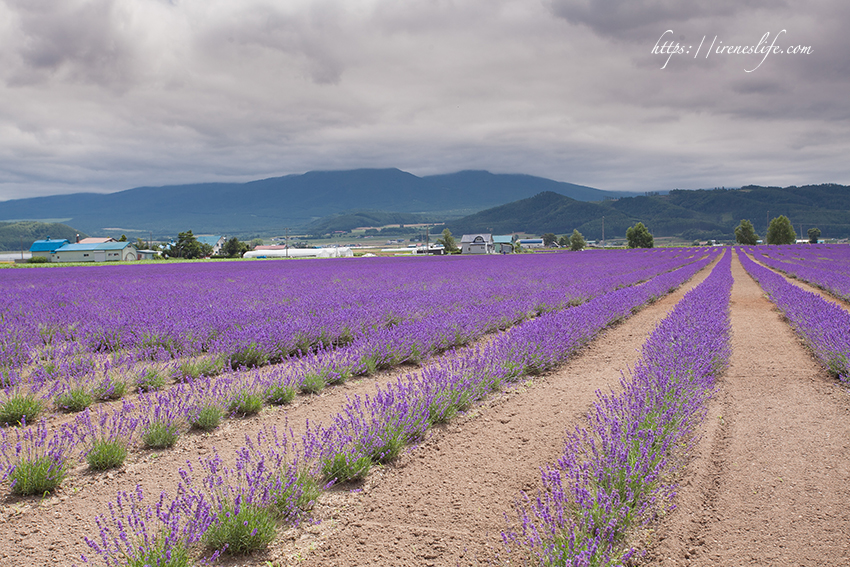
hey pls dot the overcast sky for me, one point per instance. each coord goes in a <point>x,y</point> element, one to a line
<point>106,95</point>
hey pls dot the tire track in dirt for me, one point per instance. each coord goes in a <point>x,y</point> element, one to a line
<point>444,503</point>
<point>771,482</point>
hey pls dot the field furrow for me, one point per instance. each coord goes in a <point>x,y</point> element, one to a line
<point>771,482</point>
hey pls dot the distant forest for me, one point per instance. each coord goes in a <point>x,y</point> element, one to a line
<point>14,235</point>
<point>690,215</point>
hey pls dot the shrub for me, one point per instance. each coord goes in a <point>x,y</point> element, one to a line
<point>161,555</point>
<point>251,528</point>
<point>302,492</point>
<point>246,403</point>
<point>194,369</point>
<point>313,384</point>
<point>160,435</point>
<point>280,394</point>
<point>20,408</point>
<point>149,381</point>
<point>207,418</point>
<point>344,467</point>
<point>74,400</point>
<point>249,357</point>
<point>109,389</point>
<point>106,454</point>
<point>38,475</point>
<point>38,260</point>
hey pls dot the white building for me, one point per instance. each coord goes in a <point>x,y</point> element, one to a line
<point>476,244</point>
<point>96,252</point>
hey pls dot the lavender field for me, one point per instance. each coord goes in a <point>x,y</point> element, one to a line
<point>102,366</point>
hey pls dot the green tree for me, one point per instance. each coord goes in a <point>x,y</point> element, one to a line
<point>564,241</point>
<point>448,242</point>
<point>814,234</point>
<point>639,236</point>
<point>780,231</point>
<point>549,239</point>
<point>255,242</point>
<point>577,241</point>
<point>234,248</point>
<point>187,246</point>
<point>745,233</point>
<point>123,238</point>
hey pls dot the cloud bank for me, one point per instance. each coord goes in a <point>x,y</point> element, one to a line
<point>105,95</point>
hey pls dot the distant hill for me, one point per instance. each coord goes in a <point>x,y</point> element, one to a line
<point>545,212</point>
<point>14,235</point>
<point>268,206</point>
<point>699,214</point>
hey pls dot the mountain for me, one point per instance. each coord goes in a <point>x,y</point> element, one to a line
<point>269,205</point>
<point>699,214</point>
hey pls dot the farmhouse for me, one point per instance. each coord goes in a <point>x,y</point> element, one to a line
<point>102,252</point>
<point>476,244</point>
<point>45,248</point>
<point>215,241</point>
<point>503,244</point>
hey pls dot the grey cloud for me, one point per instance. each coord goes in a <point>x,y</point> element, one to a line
<point>634,19</point>
<point>79,40</point>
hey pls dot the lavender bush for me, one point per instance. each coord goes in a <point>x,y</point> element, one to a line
<point>822,324</point>
<point>616,470</point>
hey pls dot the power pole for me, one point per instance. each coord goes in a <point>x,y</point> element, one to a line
<point>287,242</point>
<point>603,231</point>
<point>427,245</point>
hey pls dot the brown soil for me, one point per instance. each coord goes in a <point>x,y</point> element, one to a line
<point>444,502</point>
<point>770,484</point>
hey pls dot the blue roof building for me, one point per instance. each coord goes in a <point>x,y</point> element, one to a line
<point>47,247</point>
<point>96,252</point>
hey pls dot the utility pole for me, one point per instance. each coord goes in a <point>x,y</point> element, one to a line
<point>22,247</point>
<point>603,231</point>
<point>287,242</point>
<point>427,245</point>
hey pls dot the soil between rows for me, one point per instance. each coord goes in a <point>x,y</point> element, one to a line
<point>770,483</point>
<point>415,499</point>
<point>445,502</point>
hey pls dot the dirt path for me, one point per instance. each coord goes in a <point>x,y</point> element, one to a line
<point>444,503</point>
<point>771,483</point>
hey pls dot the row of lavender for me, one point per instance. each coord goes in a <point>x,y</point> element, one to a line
<point>156,419</point>
<point>273,474</point>
<point>826,266</point>
<point>617,471</point>
<point>449,315</point>
<point>821,323</point>
<point>282,307</point>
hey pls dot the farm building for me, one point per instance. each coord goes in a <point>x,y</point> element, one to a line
<point>95,240</point>
<point>45,248</point>
<point>503,244</point>
<point>102,252</point>
<point>215,241</point>
<point>282,252</point>
<point>530,242</point>
<point>476,244</point>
